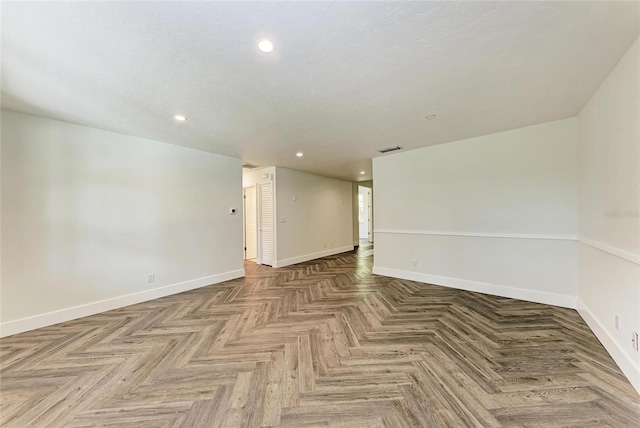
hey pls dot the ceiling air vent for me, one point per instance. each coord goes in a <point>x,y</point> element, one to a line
<point>390,149</point>
<point>248,165</point>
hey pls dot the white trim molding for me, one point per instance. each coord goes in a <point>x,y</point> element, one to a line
<point>475,235</point>
<point>629,367</point>
<point>562,300</point>
<point>312,256</point>
<point>598,245</point>
<point>10,328</point>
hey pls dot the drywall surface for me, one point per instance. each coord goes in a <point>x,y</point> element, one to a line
<point>609,211</point>
<point>88,214</point>
<point>313,216</point>
<point>495,213</point>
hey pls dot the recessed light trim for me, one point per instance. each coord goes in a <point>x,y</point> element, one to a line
<point>265,46</point>
<point>180,118</point>
<point>299,154</point>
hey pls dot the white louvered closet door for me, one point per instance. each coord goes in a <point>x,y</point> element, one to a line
<point>266,224</point>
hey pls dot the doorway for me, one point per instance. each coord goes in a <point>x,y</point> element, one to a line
<point>250,224</point>
<point>365,214</point>
<point>259,235</point>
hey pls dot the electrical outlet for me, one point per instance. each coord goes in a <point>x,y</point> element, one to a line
<point>634,340</point>
<point>617,322</point>
<point>414,263</point>
<point>151,278</point>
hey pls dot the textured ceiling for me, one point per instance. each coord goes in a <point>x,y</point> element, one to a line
<point>345,79</point>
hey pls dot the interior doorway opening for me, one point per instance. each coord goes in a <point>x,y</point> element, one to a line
<point>250,223</point>
<point>258,183</point>
<point>365,214</point>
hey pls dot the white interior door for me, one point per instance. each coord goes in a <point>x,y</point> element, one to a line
<point>250,224</point>
<point>265,221</point>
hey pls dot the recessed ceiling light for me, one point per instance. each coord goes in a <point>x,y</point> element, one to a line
<point>362,173</point>
<point>265,46</point>
<point>299,154</point>
<point>180,118</point>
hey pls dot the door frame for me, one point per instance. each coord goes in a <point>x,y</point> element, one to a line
<point>259,255</point>
<point>367,206</point>
<point>244,218</point>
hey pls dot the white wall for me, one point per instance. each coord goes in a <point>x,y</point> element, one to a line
<point>87,214</point>
<point>608,211</point>
<point>495,214</point>
<point>313,216</point>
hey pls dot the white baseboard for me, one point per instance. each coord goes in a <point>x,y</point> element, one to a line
<point>562,300</point>
<point>312,256</point>
<point>623,360</point>
<point>10,328</point>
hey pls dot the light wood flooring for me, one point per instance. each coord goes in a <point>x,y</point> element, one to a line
<point>322,343</point>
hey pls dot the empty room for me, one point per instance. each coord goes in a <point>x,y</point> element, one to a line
<point>307,214</point>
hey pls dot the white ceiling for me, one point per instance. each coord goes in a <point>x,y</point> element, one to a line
<point>345,79</point>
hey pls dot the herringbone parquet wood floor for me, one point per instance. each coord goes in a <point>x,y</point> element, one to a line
<point>316,344</point>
